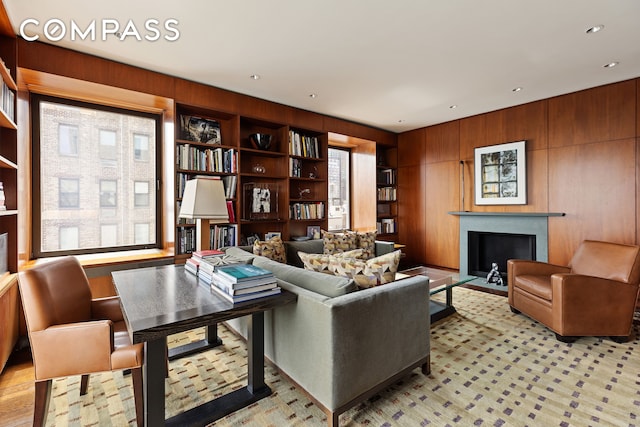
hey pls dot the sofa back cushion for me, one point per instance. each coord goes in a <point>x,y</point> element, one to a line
<point>611,261</point>
<point>324,284</point>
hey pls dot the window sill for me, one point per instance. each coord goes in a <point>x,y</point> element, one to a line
<point>111,258</point>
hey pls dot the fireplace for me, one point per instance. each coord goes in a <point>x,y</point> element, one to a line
<point>491,225</point>
<point>485,248</point>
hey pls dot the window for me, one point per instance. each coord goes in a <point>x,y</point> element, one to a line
<point>108,235</point>
<point>87,158</point>
<point>339,187</point>
<point>141,147</point>
<point>68,238</point>
<point>141,193</point>
<point>108,193</point>
<point>108,144</point>
<point>68,140</point>
<point>69,193</point>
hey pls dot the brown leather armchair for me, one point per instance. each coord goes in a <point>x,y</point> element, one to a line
<point>71,334</point>
<point>594,296</point>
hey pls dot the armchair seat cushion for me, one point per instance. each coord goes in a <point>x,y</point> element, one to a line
<point>539,286</point>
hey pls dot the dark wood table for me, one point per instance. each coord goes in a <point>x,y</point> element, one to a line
<point>160,301</point>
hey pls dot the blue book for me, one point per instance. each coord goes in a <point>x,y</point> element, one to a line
<point>242,272</point>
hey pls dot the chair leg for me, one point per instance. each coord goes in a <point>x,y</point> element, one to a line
<point>565,339</point>
<point>41,402</point>
<point>621,340</point>
<point>138,397</point>
<point>84,384</point>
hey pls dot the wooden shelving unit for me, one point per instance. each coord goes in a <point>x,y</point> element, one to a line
<point>9,300</point>
<point>257,168</point>
<point>387,198</point>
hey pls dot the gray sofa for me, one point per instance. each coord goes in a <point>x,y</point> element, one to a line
<point>340,345</point>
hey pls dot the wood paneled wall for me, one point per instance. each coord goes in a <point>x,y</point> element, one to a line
<point>582,159</point>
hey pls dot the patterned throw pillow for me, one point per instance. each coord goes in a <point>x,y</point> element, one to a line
<point>320,262</point>
<point>272,249</point>
<point>366,274</point>
<point>339,242</point>
<point>367,242</point>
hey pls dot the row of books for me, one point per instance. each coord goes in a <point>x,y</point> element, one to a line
<point>387,193</point>
<point>386,176</point>
<point>295,167</point>
<point>7,101</point>
<point>386,225</point>
<point>303,146</point>
<point>189,157</point>
<point>229,182</point>
<point>220,236</point>
<point>313,210</point>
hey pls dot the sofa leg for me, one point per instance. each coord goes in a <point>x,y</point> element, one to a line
<point>84,384</point>
<point>426,366</point>
<point>41,402</point>
<point>565,339</point>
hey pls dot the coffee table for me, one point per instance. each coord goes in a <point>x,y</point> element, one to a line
<point>439,281</point>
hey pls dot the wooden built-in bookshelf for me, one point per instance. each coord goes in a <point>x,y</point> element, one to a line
<point>387,197</point>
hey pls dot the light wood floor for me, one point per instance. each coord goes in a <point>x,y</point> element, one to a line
<point>17,390</point>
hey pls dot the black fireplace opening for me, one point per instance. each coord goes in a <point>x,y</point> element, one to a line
<point>486,248</point>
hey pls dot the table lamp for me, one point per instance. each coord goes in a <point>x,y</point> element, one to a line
<point>204,200</point>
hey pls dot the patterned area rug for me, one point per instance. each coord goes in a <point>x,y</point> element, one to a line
<point>489,368</point>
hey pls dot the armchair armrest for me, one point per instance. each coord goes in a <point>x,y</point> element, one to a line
<point>580,300</point>
<point>518,267</point>
<point>107,308</point>
<point>60,345</point>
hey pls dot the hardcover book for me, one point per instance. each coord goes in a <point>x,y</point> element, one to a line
<point>242,272</point>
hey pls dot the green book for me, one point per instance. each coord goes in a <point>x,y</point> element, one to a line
<point>242,272</point>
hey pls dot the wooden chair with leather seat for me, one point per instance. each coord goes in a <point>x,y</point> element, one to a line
<point>594,296</point>
<point>72,334</point>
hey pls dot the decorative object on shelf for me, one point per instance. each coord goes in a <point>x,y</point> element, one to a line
<point>262,141</point>
<point>313,232</point>
<point>304,192</point>
<point>314,173</point>
<point>271,234</point>
<point>501,175</point>
<point>261,200</point>
<point>204,200</point>
<point>259,168</point>
<point>197,129</point>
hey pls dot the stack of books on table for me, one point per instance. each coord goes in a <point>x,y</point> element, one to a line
<point>243,282</point>
<point>198,257</point>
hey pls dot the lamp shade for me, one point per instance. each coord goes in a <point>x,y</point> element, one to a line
<point>204,198</point>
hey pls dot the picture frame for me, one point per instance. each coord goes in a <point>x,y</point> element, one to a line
<point>271,234</point>
<point>260,201</point>
<point>198,129</point>
<point>501,174</point>
<point>313,231</point>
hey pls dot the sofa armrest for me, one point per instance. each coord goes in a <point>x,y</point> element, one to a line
<point>384,247</point>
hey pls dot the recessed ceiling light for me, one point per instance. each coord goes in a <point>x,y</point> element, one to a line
<point>255,76</point>
<point>453,106</point>
<point>400,121</point>
<point>313,95</point>
<point>516,89</point>
<point>611,64</point>
<point>595,29</point>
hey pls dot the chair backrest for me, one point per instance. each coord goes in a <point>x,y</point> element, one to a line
<point>54,293</point>
<point>606,260</point>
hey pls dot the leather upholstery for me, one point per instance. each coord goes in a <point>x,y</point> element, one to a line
<point>594,296</point>
<point>71,334</point>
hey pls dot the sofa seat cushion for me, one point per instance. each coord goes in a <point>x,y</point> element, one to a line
<point>323,284</point>
<point>369,273</point>
<point>539,286</point>
<point>320,262</point>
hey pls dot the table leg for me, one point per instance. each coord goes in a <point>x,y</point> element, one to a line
<point>154,375</point>
<point>255,353</point>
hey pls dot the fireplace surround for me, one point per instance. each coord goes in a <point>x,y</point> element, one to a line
<point>533,225</point>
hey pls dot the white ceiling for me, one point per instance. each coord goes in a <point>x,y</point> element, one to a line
<point>396,65</point>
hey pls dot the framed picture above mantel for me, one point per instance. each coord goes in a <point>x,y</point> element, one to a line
<point>501,174</point>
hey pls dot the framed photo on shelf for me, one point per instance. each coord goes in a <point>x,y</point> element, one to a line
<point>197,129</point>
<point>271,234</point>
<point>501,174</point>
<point>260,200</point>
<point>313,231</point>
